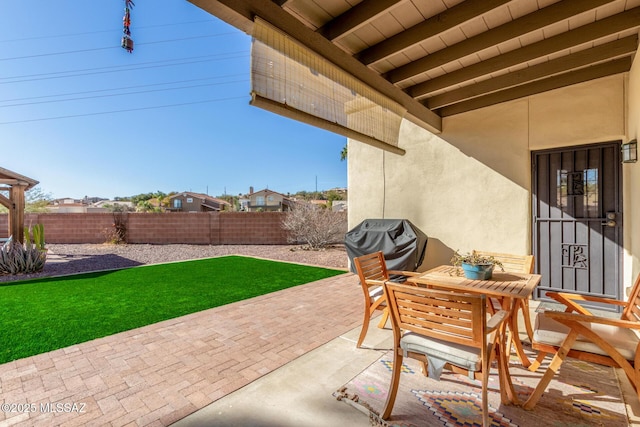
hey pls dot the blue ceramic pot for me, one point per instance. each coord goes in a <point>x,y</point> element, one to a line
<point>477,272</point>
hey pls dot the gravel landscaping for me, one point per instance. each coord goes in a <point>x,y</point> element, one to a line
<point>78,258</point>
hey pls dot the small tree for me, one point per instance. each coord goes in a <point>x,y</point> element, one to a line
<point>316,228</point>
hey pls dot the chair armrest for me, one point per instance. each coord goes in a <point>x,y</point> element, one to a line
<point>575,317</point>
<point>573,304</point>
<point>403,273</point>
<point>496,320</point>
<point>371,282</point>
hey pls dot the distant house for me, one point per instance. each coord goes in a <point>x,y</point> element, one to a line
<point>108,205</point>
<point>319,203</point>
<point>196,202</point>
<point>268,201</point>
<point>93,200</point>
<point>243,203</point>
<point>339,190</point>
<point>339,206</point>
<point>69,205</point>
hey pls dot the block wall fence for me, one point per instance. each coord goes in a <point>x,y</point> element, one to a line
<point>215,228</point>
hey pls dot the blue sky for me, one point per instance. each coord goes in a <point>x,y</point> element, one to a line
<point>174,115</point>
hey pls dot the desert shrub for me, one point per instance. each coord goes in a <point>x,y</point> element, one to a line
<point>117,233</point>
<point>18,259</point>
<point>314,227</point>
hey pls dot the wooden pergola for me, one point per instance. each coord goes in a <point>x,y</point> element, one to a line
<point>16,185</point>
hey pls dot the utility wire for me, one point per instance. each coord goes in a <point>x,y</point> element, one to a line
<point>120,88</point>
<point>122,94</point>
<point>102,31</point>
<point>123,111</point>
<point>128,67</point>
<point>110,47</point>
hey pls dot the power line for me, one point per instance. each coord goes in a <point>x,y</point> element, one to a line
<point>120,88</point>
<point>222,56</point>
<point>125,69</point>
<point>123,111</point>
<point>110,47</point>
<point>122,94</point>
<point>102,31</point>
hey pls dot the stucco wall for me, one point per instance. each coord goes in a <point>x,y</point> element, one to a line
<point>469,187</point>
<point>631,177</point>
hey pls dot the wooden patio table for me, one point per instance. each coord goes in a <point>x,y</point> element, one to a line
<point>507,288</point>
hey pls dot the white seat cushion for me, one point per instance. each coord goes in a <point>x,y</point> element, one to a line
<point>376,292</point>
<point>456,354</point>
<point>548,331</point>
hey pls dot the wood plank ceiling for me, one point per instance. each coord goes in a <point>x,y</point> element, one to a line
<point>439,58</point>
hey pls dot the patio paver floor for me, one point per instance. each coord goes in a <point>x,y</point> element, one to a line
<point>158,374</point>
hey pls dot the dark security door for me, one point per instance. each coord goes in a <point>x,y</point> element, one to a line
<point>577,219</point>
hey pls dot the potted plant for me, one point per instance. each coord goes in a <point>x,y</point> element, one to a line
<point>475,266</point>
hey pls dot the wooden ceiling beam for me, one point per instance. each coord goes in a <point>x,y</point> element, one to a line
<point>355,17</point>
<point>240,13</point>
<point>610,68</point>
<point>431,27</point>
<point>516,28</point>
<point>622,47</point>
<point>573,38</point>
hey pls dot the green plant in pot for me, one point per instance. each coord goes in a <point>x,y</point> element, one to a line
<point>475,266</point>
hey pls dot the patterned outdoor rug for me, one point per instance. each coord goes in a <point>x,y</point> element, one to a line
<point>582,394</point>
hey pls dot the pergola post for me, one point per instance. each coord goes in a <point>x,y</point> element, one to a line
<point>16,185</point>
<point>16,212</point>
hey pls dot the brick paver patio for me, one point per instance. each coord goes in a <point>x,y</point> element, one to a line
<point>160,373</point>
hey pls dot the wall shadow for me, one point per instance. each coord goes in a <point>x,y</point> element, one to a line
<point>67,267</point>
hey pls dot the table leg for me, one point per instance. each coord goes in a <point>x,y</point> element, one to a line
<point>508,394</point>
<point>514,336</point>
<point>514,339</point>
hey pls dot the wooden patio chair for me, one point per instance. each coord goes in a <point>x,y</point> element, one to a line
<point>436,326</point>
<point>579,334</point>
<point>516,264</point>
<point>372,271</point>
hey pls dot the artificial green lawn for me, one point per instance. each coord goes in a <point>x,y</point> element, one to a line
<point>46,314</point>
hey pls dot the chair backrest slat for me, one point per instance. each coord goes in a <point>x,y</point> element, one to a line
<point>371,267</point>
<point>512,263</point>
<point>444,315</point>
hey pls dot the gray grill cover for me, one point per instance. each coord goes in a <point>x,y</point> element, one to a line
<point>402,243</point>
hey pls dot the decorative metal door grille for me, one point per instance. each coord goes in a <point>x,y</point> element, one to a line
<point>575,256</point>
<point>577,232</point>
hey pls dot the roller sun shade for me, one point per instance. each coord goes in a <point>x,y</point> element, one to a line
<point>289,79</point>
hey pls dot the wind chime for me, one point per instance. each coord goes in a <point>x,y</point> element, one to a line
<point>127,41</point>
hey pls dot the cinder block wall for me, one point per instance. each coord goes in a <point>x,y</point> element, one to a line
<point>215,228</point>
<point>178,227</point>
<point>264,228</point>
